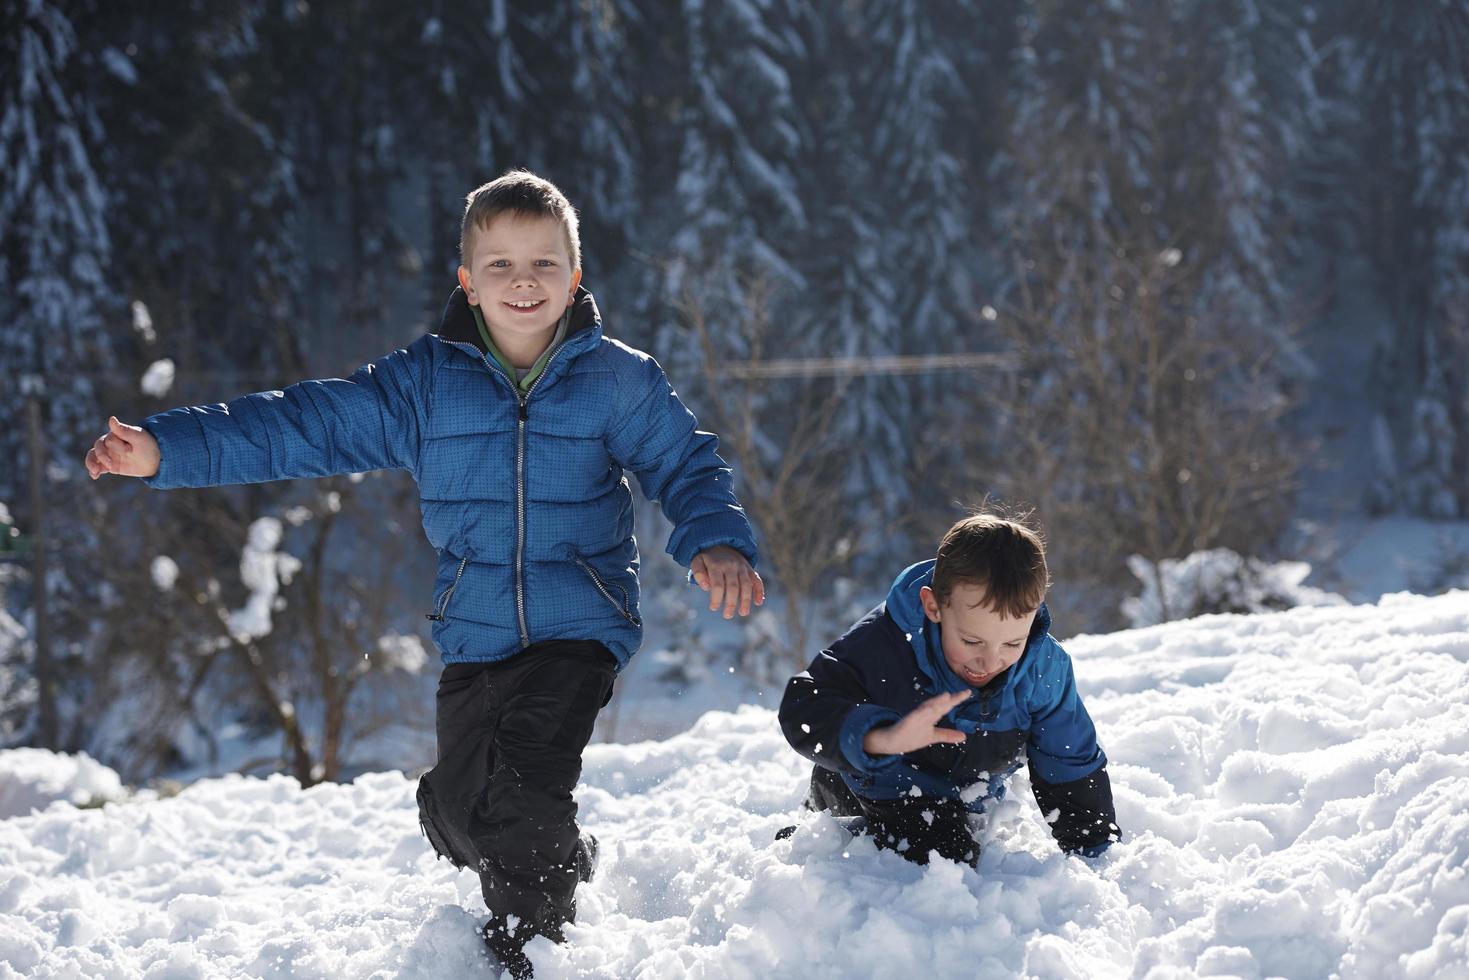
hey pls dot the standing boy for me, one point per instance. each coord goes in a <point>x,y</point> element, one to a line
<point>919,712</point>
<point>517,420</point>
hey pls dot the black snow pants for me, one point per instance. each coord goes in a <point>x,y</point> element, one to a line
<point>510,741</point>
<point>910,825</point>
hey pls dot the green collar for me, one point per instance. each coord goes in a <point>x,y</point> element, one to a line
<point>528,378</point>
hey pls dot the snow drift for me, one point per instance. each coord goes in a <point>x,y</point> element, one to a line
<point>1293,787</point>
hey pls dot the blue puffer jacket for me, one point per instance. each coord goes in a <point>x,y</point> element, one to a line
<point>891,661</point>
<point>523,495</point>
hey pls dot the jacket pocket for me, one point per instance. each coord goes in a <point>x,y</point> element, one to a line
<point>441,604</point>
<point>624,607</point>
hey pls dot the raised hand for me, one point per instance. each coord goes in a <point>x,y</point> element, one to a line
<point>918,728</point>
<point>724,573</point>
<point>126,450</point>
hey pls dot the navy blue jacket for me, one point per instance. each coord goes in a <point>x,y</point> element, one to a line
<point>522,493</point>
<point>891,660</point>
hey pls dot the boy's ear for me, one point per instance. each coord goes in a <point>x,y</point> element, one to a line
<point>930,604</point>
<point>467,286</point>
<point>575,281</point>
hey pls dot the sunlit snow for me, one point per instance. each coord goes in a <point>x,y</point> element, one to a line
<point>1293,788</point>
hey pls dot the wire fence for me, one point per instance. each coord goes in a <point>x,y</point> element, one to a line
<point>774,368</point>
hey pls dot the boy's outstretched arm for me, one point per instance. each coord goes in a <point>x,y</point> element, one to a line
<point>372,420</point>
<point>678,466</point>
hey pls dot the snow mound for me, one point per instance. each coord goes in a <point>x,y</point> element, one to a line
<point>1218,581</point>
<point>1293,787</point>
<point>33,779</point>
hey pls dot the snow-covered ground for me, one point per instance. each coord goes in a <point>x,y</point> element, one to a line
<point>1294,789</point>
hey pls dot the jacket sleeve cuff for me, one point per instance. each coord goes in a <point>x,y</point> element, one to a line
<point>859,721</point>
<point>1056,770</point>
<point>703,533</point>
<point>182,448</point>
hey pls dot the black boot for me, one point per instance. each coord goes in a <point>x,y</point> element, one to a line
<point>508,950</point>
<point>586,857</point>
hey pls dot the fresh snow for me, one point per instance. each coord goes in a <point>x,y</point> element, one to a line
<point>165,572</point>
<point>1293,789</point>
<point>158,379</point>
<point>33,779</point>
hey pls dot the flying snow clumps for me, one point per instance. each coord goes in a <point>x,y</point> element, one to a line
<point>122,68</point>
<point>399,651</point>
<point>158,378</point>
<point>33,779</point>
<point>165,572</point>
<point>143,322</point>
<point>263,570</point>
<point>1218,581</point>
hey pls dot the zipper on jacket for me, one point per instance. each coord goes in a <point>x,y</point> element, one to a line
<point>621,607</point>
<point>523,399</point>
<point>443,605</point>
<point>520,517</point>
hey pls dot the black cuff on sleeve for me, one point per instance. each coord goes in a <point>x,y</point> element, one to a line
<point>1085,818</point>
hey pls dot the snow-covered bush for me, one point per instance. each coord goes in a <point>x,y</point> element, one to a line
<point>263,569</point>
<point>17,686</point>
<point>402,651</point>
<point>1218,581</point>
<point>33,779</point>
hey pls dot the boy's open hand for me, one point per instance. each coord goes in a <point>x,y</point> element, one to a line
<point>126,450</point>
<point>918,728</point>
<point>724,573</point>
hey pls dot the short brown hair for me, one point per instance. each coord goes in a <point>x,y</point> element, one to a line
<point>1005,556</point>
<point>518,192</point>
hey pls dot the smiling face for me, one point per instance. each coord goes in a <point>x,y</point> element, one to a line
<point>519,273</point>
<point>978,642</point>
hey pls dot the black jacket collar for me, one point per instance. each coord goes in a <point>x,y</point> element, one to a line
<point>457,324</point>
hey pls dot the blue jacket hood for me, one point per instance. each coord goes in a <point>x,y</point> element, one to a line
<point>905,607</point>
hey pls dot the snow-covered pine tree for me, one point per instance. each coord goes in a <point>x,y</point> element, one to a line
<point>1144,298</point>
<point>257,224</point>
<point>733,221</point>
<point>735,213</point>
<point>579,63</point>
<point>1407,73</point>
<point>737,251</point>
<point>329,95</point>
<point>54,292</point>
<point>55,297</point>
<point>211,233</point>
<point>828,189</point>
<point>547,87</point>
<point>475,77</point>
<point>896,262</point>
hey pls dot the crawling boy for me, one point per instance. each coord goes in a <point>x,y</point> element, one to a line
<point>918,713</point>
